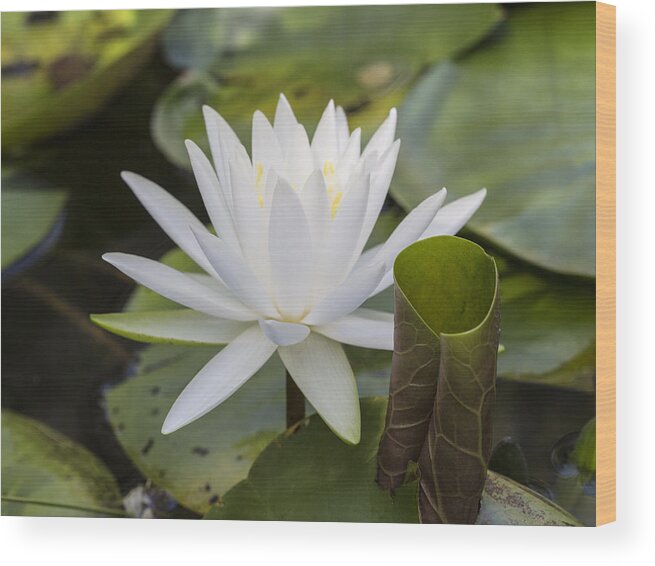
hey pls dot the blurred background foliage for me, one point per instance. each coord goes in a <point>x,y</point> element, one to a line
<point>490,95</point>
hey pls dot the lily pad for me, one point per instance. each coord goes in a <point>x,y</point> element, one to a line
<point>312,476</point>
<point>60,69</point>
<point>364,57</point>
<point>516,116</point>
<point>32,219</point>
<point>46,474</point>
<point>200,462</point>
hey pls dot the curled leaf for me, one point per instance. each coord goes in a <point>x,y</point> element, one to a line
<point>443,376</point>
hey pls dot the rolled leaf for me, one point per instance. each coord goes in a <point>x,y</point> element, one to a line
<point>443,376</point>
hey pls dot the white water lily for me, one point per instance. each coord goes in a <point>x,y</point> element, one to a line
<point>285,271</point>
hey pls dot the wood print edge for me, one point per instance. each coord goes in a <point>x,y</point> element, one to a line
<point>605,263</point>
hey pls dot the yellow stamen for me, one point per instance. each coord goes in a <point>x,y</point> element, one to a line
<point>328,168</point>
<point>259,178</point>
<point>335,204</point>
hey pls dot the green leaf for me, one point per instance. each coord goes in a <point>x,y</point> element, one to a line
<point>29,217</point>
<point>200,462</point>
<point>312,476</point>
<point>312,55</point>
<point>549,329</point>
<point>46,474</point>
<point>517,116</point>
<point>59,70</point>
<point>447,329</point>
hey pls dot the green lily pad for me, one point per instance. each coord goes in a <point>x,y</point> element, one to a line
<point>46,474</point>
<point>312,476</point>
<point>549,329</point>
<point>30,216</point>
<point>59,69</point>
<point>516,116</point>
<point>200,462</point>
<point>364,57</point>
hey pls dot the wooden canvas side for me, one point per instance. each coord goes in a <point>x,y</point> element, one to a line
<point>605,263</point>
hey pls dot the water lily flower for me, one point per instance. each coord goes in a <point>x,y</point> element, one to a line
<point>286,270</point>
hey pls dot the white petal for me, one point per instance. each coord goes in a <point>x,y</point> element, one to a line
<point>321,370</point>
<point>343,133</point>
<point>172,326</point>
<point>380,181</point>
<point>316,205</point>
<point>291,253</point>
<point>283,333</point>
<point>173,217</point>
<point>251,218</point>
<point>349,157</point>
<point>411,228</point>
<point>212,194</point>
<point>347,296</point>
<point>222,142</point>
<point>448,221</point>
<point>285,122</point>
<point>364,327</point>
<point>384,136</point>
<point>298,157</point>
<point>239,278</point>
<point>266,151</point>
<point>341,248</point>
<point>452,217</point>
<point>324,143</point>
<point>180,288</point>
<point>220,378</point>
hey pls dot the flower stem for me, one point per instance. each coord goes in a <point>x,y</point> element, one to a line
<point>295,403</point>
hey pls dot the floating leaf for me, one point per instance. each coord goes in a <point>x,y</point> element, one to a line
<point>31,220</point>
<point>312,476</point>
<point>516,116</point>
<point>46,474</point>
<point>548,330</point>
<point>57,71</point>
<point>362,56</point>
<point>200,462</point>
<point>442,388</point>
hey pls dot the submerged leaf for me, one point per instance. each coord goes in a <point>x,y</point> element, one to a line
<point>46,474</point>
<point>509,460</point>
<point>443,375</point>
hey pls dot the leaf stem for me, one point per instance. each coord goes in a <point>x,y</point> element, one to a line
<point>295,403</point>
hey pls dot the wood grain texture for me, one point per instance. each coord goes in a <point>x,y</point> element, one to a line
<point>605,263</point>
